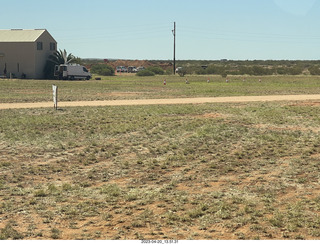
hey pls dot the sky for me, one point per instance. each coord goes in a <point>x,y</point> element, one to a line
<point>205,29</point>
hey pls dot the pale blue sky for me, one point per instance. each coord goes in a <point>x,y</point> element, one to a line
<point>206,29</point>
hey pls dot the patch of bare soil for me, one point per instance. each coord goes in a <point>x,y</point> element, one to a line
<point>210,115</point>
<point>306,104</point>
<point>123,94</point>
<point>197,100</point>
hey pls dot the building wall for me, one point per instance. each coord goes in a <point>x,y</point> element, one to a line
<point>41,56</point>
<point>26,57</point>
<point>19,59</point>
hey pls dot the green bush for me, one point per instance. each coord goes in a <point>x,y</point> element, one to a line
<point>281,71</point>
<point>145,72</point>
<point>224,74</point>
<point>314,70</point>
<point>182,72</point>
<point>211,70</point>
<point>102,69</point>
<point>295,70</point>
<point>156,70</point>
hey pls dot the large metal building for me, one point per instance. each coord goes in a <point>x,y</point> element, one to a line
<point>24,53</point>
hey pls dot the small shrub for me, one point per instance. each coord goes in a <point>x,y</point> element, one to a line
<point>53,189</point>
<point>5,164</point>
<point>277,220</point>
<point>40,193</point>
<point>133,195</point>
<point>224,75</point>
<point>2,184</point>
<point>55,233</point>
<point>223,213</point>
<point>156,70</point>
<point>66,187</point>
<point>145,73</point>
<point>138,223</point>
<point>112,190</point>
<point>107,216</point>
<point>102,69</point>
<point>182,72</point>
<point>314,70</point>
<point>195,213</point>
<point>9,233</point>
<point>240,235</point>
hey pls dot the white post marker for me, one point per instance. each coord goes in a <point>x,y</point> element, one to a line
<point>55,96</point>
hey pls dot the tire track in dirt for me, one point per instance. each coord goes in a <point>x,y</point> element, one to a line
<point>197,100</point>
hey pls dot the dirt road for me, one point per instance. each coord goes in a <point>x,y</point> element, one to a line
<point>197,100</point>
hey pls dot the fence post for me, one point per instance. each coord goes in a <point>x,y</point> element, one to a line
<point>55,96</point>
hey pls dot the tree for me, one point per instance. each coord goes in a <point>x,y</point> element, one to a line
<point>182,72</point>
<point>61,57</point>
<point>57,58</point>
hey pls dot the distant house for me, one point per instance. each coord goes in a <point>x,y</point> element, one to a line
<point>23,53</point>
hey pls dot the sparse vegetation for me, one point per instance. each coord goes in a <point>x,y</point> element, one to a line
<point>208,171</point>
<point>9,233</point>
<point>254,67</point>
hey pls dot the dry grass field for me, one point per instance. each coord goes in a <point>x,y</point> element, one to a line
<point>134,87</point>
<point>206,171</point>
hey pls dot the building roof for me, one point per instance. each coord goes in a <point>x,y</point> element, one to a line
<point>19,35</point>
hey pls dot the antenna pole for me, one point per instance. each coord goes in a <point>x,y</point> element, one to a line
<point>174,48</point>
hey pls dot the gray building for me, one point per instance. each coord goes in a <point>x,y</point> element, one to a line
<point>23,53</point>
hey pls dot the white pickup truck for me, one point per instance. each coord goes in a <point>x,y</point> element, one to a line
<point>71,72</point>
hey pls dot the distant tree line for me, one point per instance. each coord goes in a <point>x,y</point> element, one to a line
<point>242,70</point>
<point>218,67</point>
<point>255,67</point>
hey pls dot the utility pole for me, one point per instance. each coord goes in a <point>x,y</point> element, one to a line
<point>174,48</point>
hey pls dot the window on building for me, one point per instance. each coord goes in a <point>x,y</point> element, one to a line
<point>52,46</point>
<point>39,46</point>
